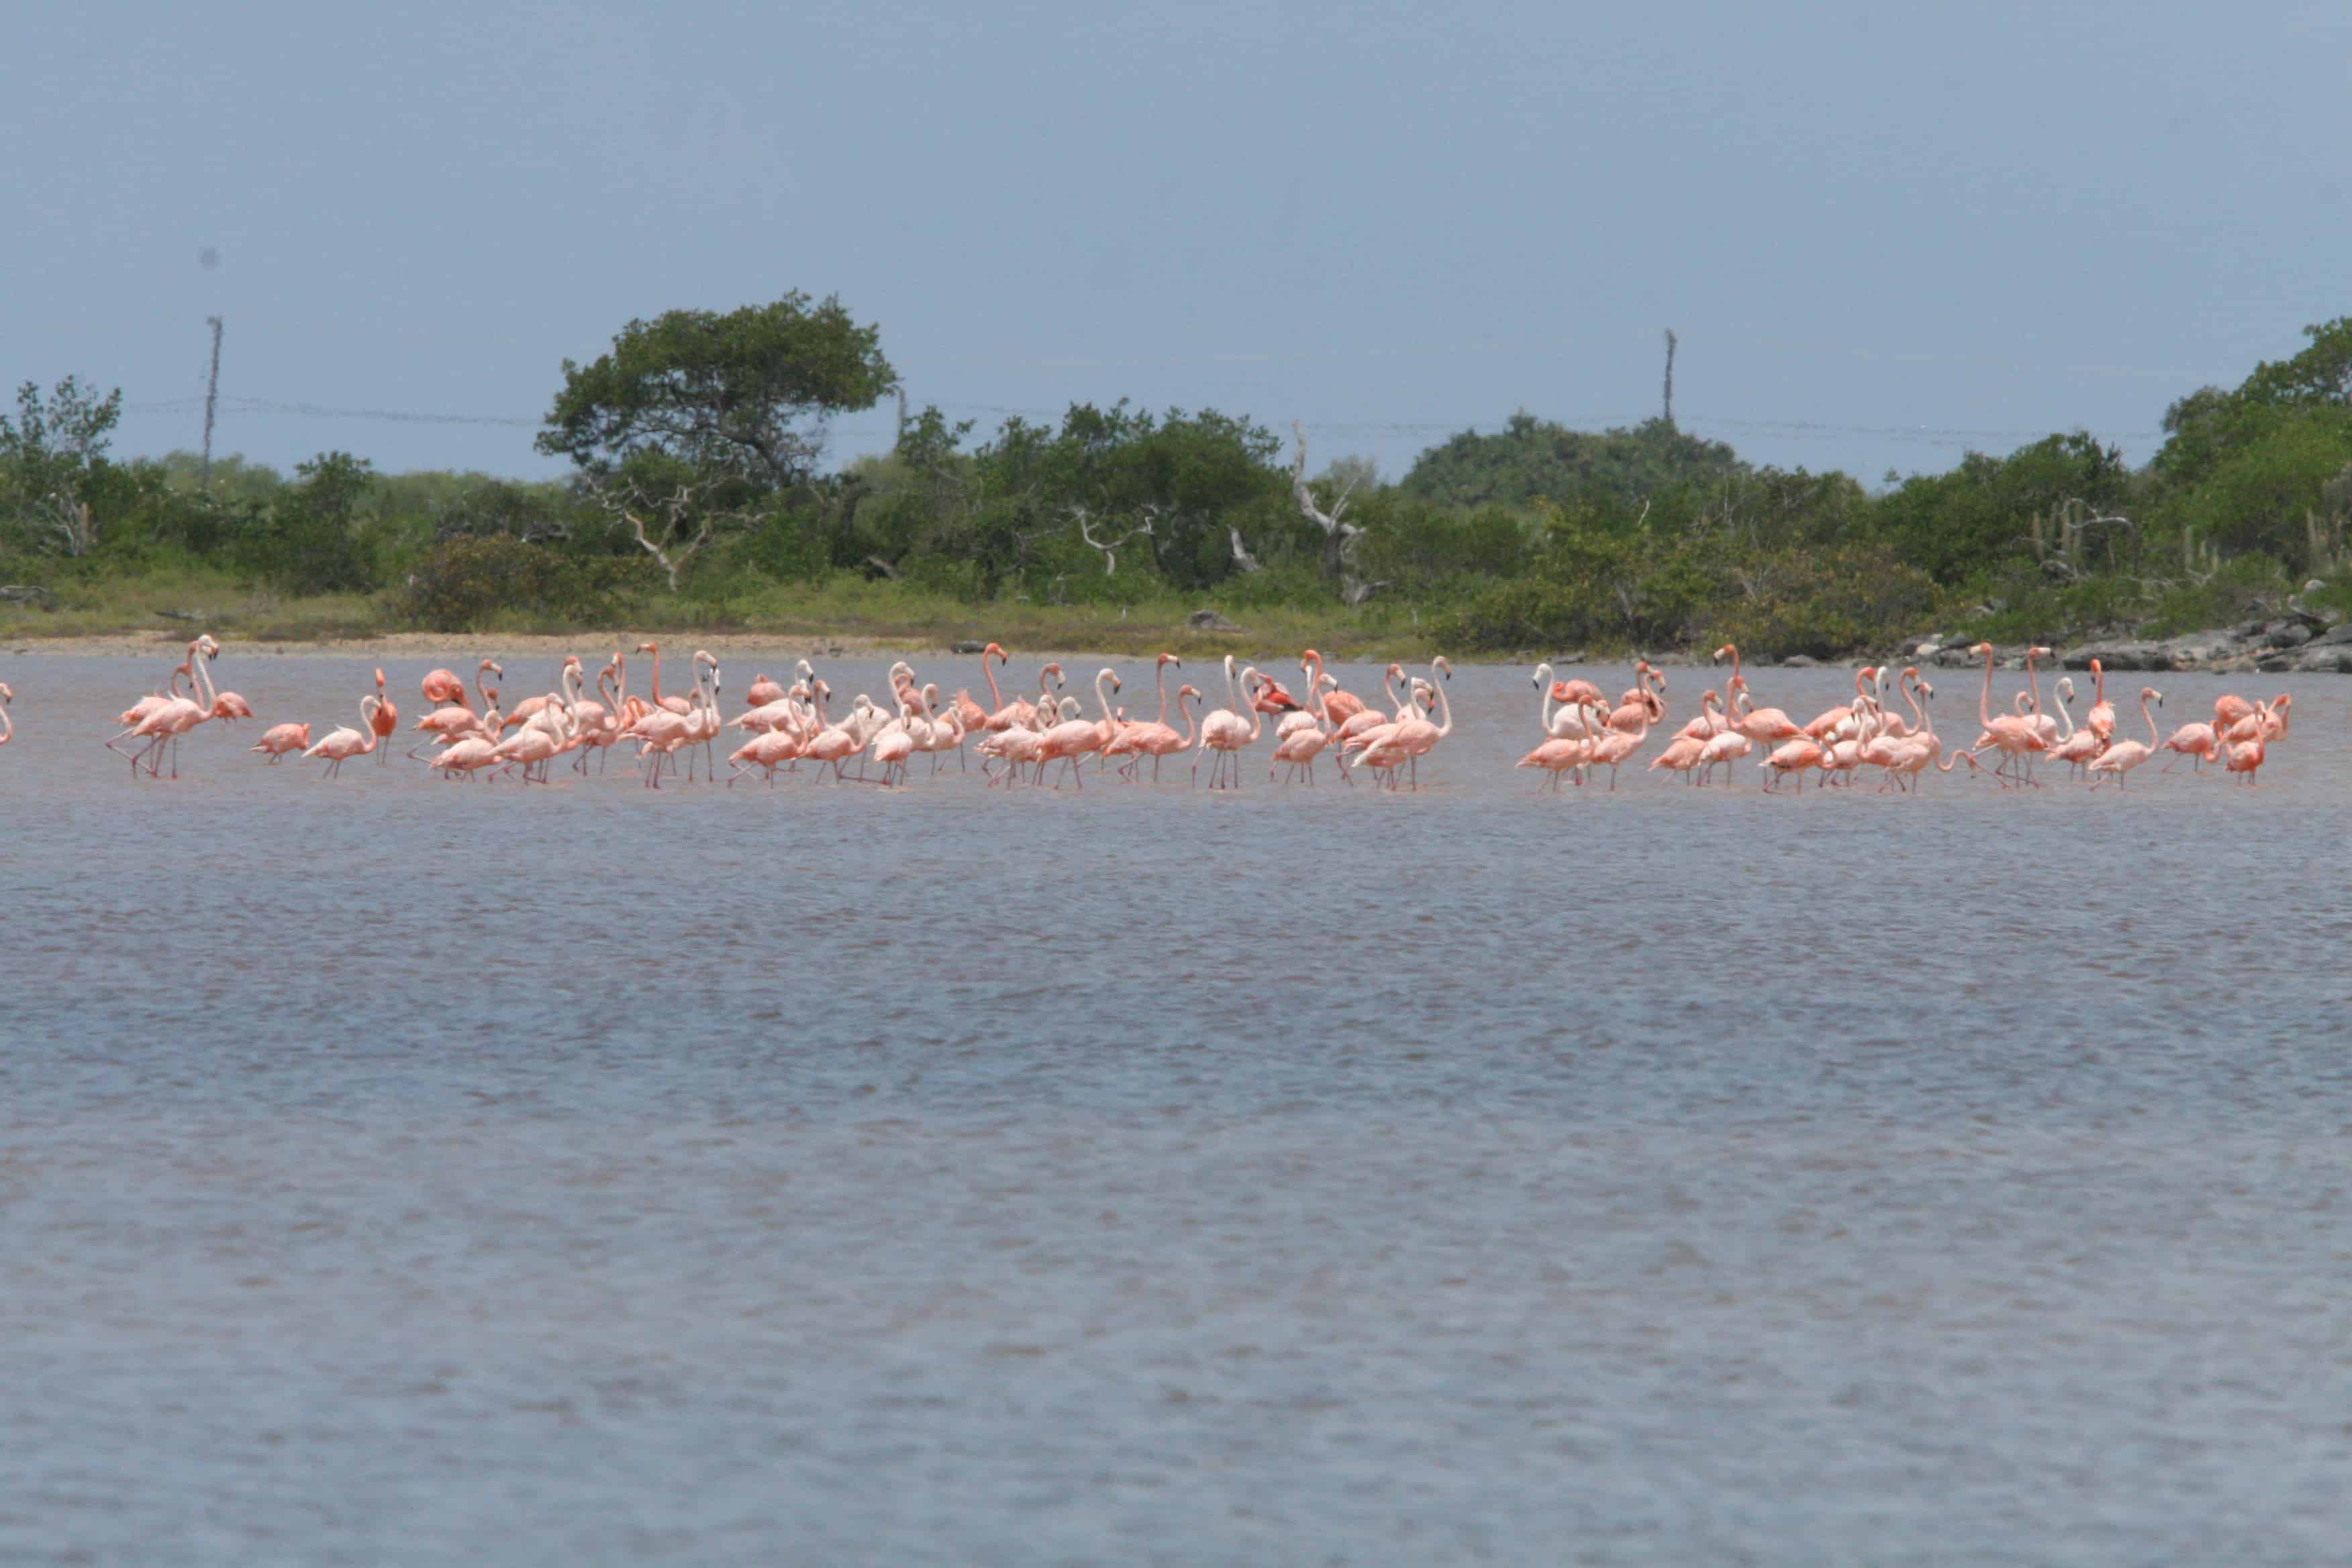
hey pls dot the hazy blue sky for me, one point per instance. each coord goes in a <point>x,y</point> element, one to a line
<point>1881,232</point>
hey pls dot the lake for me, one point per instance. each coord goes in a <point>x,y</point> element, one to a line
<point>401,1171</point>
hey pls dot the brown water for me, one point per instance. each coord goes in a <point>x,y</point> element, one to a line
<point>401,1171</point>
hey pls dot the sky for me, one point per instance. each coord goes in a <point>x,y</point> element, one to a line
<point>1883,235</point>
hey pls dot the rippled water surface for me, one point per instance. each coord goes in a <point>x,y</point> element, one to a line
<point>397,1172</point>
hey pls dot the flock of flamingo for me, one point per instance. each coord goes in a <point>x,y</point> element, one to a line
<point>1839,744</point>
<point>1019,740</point>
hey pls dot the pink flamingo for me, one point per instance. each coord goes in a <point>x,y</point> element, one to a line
<point>383,722</point>
<point>1067,742</point>
<point>2228,709</point>
<point>279,739</point>
<point>762,691</point>
<point>2013,735</point>
<point>2101,719</point>
<point>344,742</point>
<point>2196,742</point>
<point>441,686</point>
<point>1794,757</point>
<point>2075,748</point>
<point>1615,747</point>
<point>2245,758</point>
<point>7,725</point>
<point>1156,741</point>
<point>1226,732</point>
<point>445,724</point>
<point>1765,726</point>
<point>1838,723</point>
<point>1723,749</point>
<point>164,726</point>
<point>674,703</point>
<point>2122,756</point>
<point>1564,756</point>
<point>1580,715</point>
<point>1338,706</point>
<point>1681,755</point>
<point>465,756</point>
<point>2269,721</point>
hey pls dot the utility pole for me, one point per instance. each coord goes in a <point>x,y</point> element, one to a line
<point>212,396</point>
<point>1670,378</point>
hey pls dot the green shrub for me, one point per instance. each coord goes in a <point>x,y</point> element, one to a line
<point>461,583</point>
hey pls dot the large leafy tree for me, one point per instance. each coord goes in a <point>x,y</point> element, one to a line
<point>741,395</point>
<point>53,460</point>
<point>1530,459</point>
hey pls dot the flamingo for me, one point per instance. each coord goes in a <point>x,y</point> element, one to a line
<point>675,704</point>
<point>445,724</point>
<point>2101,719</point>
<point>1338,706</point>
<point>894,746</point>
<point>1681,755</point>
<point>1067,742</point>
<point>166,724</point>
<point>279,739</point>
<point>2196,742</point>
<point>538,743</point>
<point>1618,744</point>
<point>343,742</point>
<point>139,713</point>
<point>1725,748</point>
<point>7,725</point>
<point>2013,735</point>
<point>762,691</point>
<point>2122,756</point>
<point>2245,757</point>
<point>2075,748</point>
<point>2228,709</point>
<point>441,686</point>
<point>1574,717</point>
<point>386,719</point>
<point>466,755</point>
<point>1838,723</point>
<point>1793,757</point>
<point>2269,719</point>
<point>1226,732</point>
<point>1156,741</point>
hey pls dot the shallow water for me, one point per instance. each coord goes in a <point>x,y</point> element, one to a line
<point>401,1171</point>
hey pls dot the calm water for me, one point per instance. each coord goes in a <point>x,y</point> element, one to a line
<point>397,1172</point>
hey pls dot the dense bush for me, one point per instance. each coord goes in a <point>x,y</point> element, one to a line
<point>464,583</point>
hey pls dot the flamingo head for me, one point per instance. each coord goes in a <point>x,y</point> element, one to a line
<point>2037,653</point>
<point>379,679</point>
<point>1168,658</point>
<point>2149,693</point>
<point>493,667</point>
<point>1187,689</point>
<point>1054,670</point>
<point>1720,654</point>
<point>1983,647</point>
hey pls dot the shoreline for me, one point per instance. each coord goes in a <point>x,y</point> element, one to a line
<point>2220,652</point>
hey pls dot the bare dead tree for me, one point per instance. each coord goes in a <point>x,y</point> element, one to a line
<point>1340,536</point>
<point>69,521</point>
<point>631,499</point>
<point>1079,515</point>
<point>1242,559</point>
